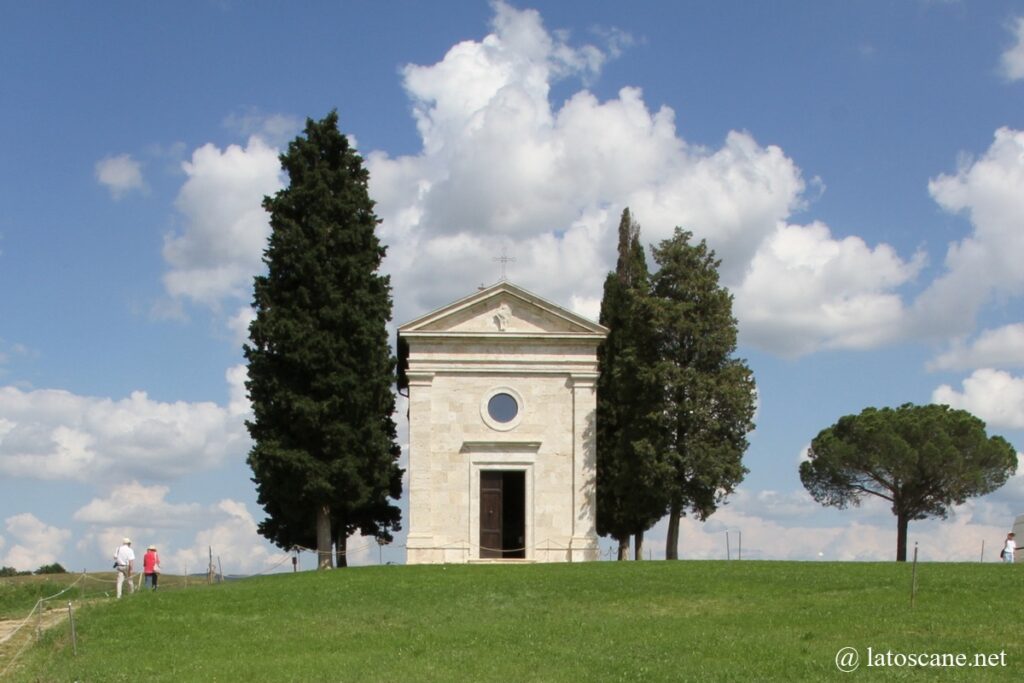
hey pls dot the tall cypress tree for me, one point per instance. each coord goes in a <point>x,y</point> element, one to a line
<point>709,396</point>
<point>325,452</point>
<point>632,473</point>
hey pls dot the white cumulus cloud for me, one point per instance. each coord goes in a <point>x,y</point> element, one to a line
<point>779,525</point>
<point>501,168</point>
<point>997,397</point>
<point>234,541</point>
<point>274,129</point>
<point>120,174</point>
<point>238,324</point>
<point>183,533</point>
<point>1012,60</point>
<point>53,434</point>
<point>34,543</point>
<point>805,291</point>
<point>990,192</point>
<point>134,505</point>
<point>225,232</point>
<point>1002,347</point>
<point>238,402</point>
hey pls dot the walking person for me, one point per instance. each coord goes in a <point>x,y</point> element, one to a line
<point>124,563</point>
<point>151,567</point>
<point>1010,548</point>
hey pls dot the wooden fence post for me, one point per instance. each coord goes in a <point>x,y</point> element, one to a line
<point>913,579</point>
<point>74,635</point>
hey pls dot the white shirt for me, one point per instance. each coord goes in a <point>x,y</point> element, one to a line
<point>1011,545</point>
<point>123,555</point>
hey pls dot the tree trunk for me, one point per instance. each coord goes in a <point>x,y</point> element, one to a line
<point>623,548</point>
<point>341,548</point>
<point>323,537</point>
<point>902,521</point>
<point>672,538</point>
<point>638,551</point>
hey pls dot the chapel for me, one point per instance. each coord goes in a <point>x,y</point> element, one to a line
<point>501,390</point>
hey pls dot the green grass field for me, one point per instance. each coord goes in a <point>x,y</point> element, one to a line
<point>689,621</point>
<point>18,594</point>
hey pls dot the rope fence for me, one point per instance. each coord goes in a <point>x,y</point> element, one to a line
<point>21,650</point>
<point>277,563</point>
<point>20,626</point>
<point>547,546</point>
<point>37,610</point>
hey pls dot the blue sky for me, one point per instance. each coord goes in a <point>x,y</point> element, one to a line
<point>859,167</point>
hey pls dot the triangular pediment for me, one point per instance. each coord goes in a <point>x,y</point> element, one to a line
<point>503,308</point>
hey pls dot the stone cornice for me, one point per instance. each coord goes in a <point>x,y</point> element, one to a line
<point>568,370</point>
<point>518,337</point>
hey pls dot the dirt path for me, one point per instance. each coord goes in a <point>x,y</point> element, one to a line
<point>11,638</point>
<point>9,626</point>
<point>48,619</point>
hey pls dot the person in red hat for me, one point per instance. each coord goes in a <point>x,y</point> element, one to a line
<point>151,567</point>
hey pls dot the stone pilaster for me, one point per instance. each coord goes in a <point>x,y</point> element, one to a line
<point>421,533</point>
<point>584,468</point>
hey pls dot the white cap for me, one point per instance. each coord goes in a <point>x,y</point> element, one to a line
<point>126,540</point>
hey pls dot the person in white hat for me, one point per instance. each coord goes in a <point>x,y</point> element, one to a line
<point>151,567</point>
<point>124,563</point>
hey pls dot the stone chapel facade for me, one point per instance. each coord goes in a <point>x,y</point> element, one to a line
<point>502,457</point>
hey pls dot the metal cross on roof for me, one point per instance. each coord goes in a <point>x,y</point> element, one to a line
<point>504,260</point>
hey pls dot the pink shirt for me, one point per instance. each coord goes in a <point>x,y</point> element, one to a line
<point>149,561</point>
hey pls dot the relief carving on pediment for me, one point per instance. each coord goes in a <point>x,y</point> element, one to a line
<point>503,317</point>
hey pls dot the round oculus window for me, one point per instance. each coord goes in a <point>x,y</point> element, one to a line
<point>502,408</point>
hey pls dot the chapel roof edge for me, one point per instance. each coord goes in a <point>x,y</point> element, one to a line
<point>585,325</point>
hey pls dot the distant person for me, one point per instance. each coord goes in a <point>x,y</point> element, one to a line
<point>124,563</point>
<point>1010,548</point>
<point>151,567</point>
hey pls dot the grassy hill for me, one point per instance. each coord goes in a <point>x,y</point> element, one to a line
<point>692,621</point>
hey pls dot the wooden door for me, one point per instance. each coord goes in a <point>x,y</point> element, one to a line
<point>491,541</point>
